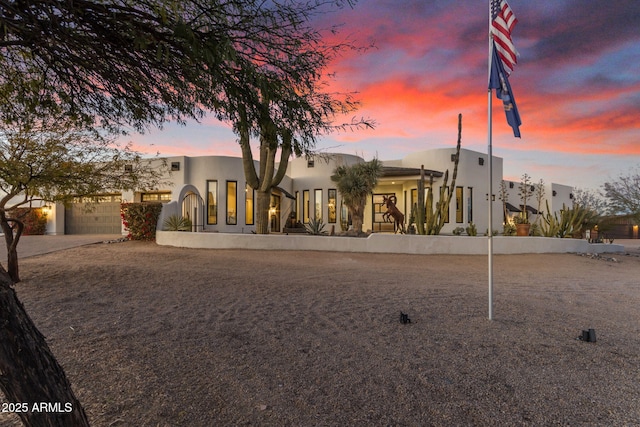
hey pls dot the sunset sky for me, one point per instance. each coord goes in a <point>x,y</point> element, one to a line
<point>577,87</point>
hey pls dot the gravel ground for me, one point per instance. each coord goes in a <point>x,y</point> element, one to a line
<point>161,336</point>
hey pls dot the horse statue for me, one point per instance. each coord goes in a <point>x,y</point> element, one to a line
<point>393,212</point>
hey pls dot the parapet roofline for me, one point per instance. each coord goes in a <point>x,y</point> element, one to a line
<point>394,171</point>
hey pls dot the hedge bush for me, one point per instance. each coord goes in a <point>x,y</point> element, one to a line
<point>34,220</point>
<point>140,219</point>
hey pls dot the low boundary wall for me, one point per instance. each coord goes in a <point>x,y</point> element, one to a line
<point>384,243</point>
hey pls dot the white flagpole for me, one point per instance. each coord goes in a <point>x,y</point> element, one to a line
<point>490,197</point>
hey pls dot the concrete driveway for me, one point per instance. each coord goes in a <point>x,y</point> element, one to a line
<point>37,245</point>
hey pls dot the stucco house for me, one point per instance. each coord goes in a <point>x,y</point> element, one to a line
<point>212,192</point>
<point>555,195</point>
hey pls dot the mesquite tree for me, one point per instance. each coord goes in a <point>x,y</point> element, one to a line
<point>124,64</point>
<point>54,159</point>
<point>49,160</point>
<point>29,371</point>
<point>262,66</point>
<point>286,112</point>
<point>623,194</point>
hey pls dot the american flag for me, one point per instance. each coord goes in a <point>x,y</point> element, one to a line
<point>502,22</point>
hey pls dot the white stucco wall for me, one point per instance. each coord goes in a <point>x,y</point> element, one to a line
<point>55,219</point>
<point>197,171</point>
<point>472,176</point>
<point>385,243</point>
<point>556,195</point>
<point>559,195</point>
<point>306,177</point>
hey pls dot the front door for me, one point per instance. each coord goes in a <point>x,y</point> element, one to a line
<point>274,213</point>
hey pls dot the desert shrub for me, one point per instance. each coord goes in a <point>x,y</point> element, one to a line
<point>140,219</point>
<point>472,230</point>
<point>535,230</point>
<point>509,229</point>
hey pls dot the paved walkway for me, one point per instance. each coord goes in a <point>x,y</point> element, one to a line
<point>37,245</point>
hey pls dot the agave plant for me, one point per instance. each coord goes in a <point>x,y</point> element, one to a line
<point>315,226</point>
<point>177,223</point>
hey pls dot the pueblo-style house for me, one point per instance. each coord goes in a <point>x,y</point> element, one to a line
<point>212,192</point>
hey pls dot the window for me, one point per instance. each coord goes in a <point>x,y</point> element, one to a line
<point>332,201</point>
<point>407,213</point>
<point>413,200</point>
<point>317,199</point>
<point>345,216</point>
<point>274,213</point>
<point>297,207</point>
<point>156,197</point>
<point>232,202</point>
<point>305,206</point>
<point>446,208</point>
<point>459,205</point>
<point>248,204</point>
<point>212,202</point>
<point>470,205</point>
<point>100,198</point>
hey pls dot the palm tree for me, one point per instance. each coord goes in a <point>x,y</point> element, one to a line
<point>355,183</point>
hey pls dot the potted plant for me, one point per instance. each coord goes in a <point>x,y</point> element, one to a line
<point>521,221</point>
<point>522,224</point>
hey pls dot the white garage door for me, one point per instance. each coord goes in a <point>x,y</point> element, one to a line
<point>96,218</point>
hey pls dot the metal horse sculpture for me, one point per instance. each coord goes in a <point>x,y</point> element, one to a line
<point>393,212</point>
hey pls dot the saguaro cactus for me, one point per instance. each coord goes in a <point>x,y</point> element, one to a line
<point>437,216</point>
<point>420,206</point>
<point>430,219</point>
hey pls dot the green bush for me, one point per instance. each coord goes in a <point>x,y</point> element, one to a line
<point>458,231</point>
<point>509,229</point>
<point>472,230</point>
<point>140,219</point>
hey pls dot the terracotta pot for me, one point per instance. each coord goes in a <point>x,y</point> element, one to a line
<point>522,229</point>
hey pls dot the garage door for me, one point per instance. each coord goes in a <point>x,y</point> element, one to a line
<point>97,218</point>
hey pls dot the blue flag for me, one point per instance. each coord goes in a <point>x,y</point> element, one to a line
<point>499,81</point>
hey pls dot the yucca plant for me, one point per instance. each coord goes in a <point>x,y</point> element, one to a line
<point>177,223</point>
<point>355,183</point>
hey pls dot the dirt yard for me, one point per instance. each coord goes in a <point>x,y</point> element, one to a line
<point>160,336</point>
